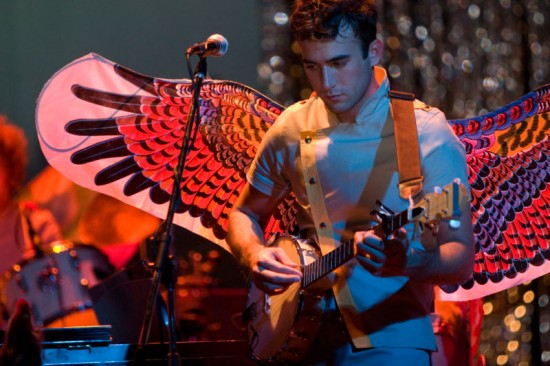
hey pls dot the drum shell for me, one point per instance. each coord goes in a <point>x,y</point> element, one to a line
<point>55,284</point>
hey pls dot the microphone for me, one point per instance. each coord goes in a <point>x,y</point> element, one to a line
<point>216,45</point>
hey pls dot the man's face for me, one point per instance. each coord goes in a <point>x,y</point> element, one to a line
<point>338,72</point>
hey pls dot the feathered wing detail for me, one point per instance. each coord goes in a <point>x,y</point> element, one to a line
<point>113,130</point>
<point>118,132</point>
<point>508,156</point>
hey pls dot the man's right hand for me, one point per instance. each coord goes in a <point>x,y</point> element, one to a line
<point>272,270</point>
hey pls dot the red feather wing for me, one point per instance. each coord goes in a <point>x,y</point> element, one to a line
<point>508,156</point>
<point>132,150</point>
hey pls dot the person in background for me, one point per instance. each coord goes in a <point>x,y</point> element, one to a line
<point>21,345</point>
<point>26,230</point>
<point>385,320</point>
<point>457,327</point>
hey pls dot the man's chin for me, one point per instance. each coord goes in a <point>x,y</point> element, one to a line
<point>334,106</point>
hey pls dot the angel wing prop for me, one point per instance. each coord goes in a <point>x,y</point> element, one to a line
<point>118,132</point>
<point>508,156</point>
<point>127,145</point>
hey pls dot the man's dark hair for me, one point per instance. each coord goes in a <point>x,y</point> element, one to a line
<point>320,20</point>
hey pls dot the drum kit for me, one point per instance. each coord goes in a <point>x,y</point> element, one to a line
<point>56,284</point>
<point>76,284</point>
<point>58,280</point>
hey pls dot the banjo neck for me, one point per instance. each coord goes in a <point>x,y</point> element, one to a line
<point>316,270</point>
<point>444,203</point>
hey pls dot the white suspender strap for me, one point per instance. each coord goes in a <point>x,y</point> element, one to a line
<point>326,243</point>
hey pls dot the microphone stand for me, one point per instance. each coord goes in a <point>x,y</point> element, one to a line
<point>163,261</point>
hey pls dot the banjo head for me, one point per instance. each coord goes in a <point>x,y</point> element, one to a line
<point>282,326</point>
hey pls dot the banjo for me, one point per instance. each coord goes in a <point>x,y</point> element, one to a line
<point>281,327</point>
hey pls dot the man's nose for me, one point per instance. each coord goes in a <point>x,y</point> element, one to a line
<point>328,78</point>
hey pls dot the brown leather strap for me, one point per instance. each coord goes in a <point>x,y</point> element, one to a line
<point>406,142</point>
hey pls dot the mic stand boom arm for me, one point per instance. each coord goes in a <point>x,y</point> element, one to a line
<point>162,261</point>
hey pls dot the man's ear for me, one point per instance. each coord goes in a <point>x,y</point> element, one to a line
<point>376,49</point>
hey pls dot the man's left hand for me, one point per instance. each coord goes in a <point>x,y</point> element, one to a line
<point>382,258</point>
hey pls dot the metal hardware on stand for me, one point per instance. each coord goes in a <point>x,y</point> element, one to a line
<point>164,262</point>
